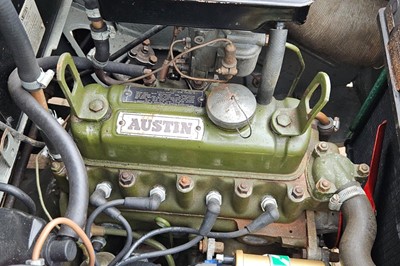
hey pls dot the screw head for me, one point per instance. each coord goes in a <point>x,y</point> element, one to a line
<point>96,105</point>
<point>184,182</point>
<point>297,192</point>
<point>283,120</point>
<point>363,169</point>
<point>323,185</point>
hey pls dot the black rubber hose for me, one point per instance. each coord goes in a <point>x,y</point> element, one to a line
<point>21,195</point>
<point>84,63</point>
<point>272,65</point>
<point>147,34</point>
<point>102,47</point>
<point>77,175</point>
<point>14,34</point>
<point>359,233</point>
<point>91,4</point>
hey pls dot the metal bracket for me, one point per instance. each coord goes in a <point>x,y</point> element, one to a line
<point>79,98</point>
<point>297,120</point>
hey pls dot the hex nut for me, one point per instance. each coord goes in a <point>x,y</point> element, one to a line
<point>214,195</point>
<point>268,200</point>
<point>243,187</point>
<point>146,42</point>
<point>160,191</point>
<point>126,178</point>
<point>297,192</point>
<point>363,169</point>
<point>322,146</point>
<point>323,185</point>
<point>153,59</point>
<point>184,182</point>
<point>283,120</point>
<point>96,105</point>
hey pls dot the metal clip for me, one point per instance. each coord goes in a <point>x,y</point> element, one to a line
<point>336,201</point>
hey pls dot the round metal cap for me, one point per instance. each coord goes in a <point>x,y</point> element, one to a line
<point>229,106</point>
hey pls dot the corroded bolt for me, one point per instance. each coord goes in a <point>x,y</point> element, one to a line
<point>297,192</point>
<point>146,42</point>
<point>184,182</point>
<point>363,169</point>
<point>96,105</point>
<point>322,146</point>
<point>243,187</point>
<point>283,120</point>
<point>153,59</point>
<point>323,185</point>
<point>126,178</point>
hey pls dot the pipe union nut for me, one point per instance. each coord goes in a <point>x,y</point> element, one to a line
<point>214,195</point>
<point>159,191</point>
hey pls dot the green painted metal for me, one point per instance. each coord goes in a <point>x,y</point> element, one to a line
<point>301,116</point>
<point>78,98</point>
<point>263,152</point>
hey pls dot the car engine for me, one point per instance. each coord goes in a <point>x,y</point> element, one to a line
<point>180,133</point>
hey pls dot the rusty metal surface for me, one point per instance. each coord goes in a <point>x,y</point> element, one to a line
<point>290,235</point>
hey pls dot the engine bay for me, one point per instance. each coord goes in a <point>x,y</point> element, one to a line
<point>185,133</point>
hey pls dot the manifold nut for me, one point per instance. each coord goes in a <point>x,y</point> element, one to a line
<point>160,191</point>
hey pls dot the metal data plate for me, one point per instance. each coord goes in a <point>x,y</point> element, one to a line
<point>160,126</point>
<point>163,96</point>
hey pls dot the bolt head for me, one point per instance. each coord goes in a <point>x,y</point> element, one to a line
<point>322,146</point>
<point>363,169</point>
<point>184,182</point>
<point>243,187</point>
<point>96,105</point>
<point>126,178</point>
<point>297,192</point>
<point>323,185</point>
<point>283,120</point>
<point>153,59</point>
<point>55,166</point>
<point>146,42</point>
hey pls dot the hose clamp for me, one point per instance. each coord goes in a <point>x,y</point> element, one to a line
<point>100,35</point>
<point>41,82</point>
<point>336,201</point>
<point>93,13</point>
<point>96,63</point>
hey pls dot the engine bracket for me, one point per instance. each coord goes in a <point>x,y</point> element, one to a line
<point>296,121</point>
<point>88,104</point>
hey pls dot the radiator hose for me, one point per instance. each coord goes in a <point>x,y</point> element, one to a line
<point>359,233</point>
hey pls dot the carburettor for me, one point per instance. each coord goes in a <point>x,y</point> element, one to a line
<point>192,142</point>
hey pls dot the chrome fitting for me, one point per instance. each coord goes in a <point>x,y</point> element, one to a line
<point>268,200</point>
<point>93,13</point>
<point>42,81</point>
<point>214,195</point>
<point>159,191</point>
<point>38,262</point>
<point>106,188</point>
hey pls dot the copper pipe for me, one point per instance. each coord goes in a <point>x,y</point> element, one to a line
<point>323,118</point>
<point>243,259</point>
<point>40,98</point>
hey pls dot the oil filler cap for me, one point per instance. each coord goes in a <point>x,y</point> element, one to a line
<point>231,106</point>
